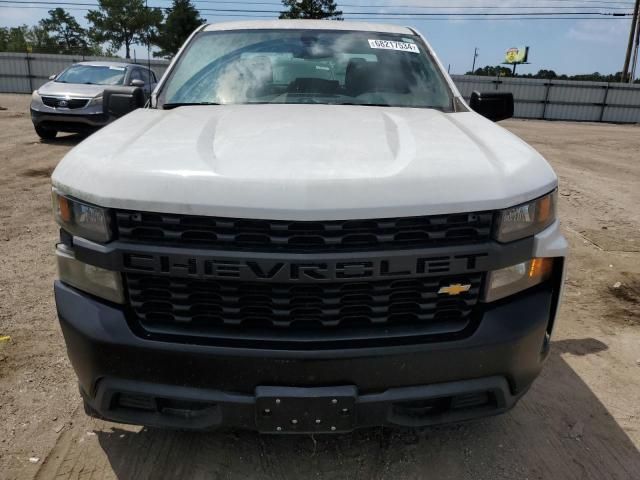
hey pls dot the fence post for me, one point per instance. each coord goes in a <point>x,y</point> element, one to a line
<point>546,99</point>
<point>28,58</point>
<point>604,101</point>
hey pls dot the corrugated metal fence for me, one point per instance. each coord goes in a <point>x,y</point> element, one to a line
<point>535,99</point>
<point>23,73</point>
<point>562,99</point>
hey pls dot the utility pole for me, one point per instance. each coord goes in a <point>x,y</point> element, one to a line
<point>146,6</point>
<point>627,58</point>
<point>634,58</point>
<point>475,55</point>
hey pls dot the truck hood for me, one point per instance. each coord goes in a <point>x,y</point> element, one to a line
<point>303,162</point>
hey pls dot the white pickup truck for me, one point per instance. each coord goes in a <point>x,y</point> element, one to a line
<point>307,230</point>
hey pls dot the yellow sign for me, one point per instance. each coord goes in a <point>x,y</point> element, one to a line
<point>517,55</point>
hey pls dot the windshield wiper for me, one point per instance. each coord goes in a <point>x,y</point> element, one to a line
<point>169,106</point>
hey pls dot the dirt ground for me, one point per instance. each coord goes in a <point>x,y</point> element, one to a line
<point>581,420</point>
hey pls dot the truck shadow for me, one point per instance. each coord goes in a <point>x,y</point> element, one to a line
<point>69,140</point>
<point>560,430</point>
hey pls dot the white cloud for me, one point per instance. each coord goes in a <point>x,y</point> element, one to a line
<point>484,6</point>
<point>594,31</point>
<point>12,17</point>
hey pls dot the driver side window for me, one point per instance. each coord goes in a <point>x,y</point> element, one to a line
<point>135,75</point>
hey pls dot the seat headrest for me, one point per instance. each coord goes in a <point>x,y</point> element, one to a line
<point>362,76</point>
<point>261,68</point>
<point>359,76</point>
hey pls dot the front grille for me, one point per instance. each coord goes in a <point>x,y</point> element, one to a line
<point>329,311</point>
<point>303,236</point>
<point>69,103</point>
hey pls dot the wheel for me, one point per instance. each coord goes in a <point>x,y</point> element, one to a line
<point>45,133</point>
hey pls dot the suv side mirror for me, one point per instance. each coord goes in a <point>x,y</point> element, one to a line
<point>52,77</point>
<point>137,83</point>
<point>118,101</point>
<point>495,106</point>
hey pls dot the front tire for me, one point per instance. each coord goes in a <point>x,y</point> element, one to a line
<point>45,133</point>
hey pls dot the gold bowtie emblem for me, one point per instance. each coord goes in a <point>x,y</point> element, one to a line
<point>455,289</point>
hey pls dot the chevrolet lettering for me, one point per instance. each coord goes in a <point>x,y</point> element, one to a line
<point>330,270</point>
<point>306,230</point>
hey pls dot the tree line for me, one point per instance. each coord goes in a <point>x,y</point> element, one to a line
<point>124,23</point>
<point>117,24</point>
<point>501,71</point>
<point>114,25</point>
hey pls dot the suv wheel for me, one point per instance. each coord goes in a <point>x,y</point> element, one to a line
<point>45,133</point>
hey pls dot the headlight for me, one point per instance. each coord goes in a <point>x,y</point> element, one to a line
<point>35,96</point>
<point>95,101</point>
<point>526,219</point>
<point>94,280</point>
<point>507,281</point>
<point>81,219</point>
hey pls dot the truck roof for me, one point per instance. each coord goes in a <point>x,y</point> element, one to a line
<point>307,25</point>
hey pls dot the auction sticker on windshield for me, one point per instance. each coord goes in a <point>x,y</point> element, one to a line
<point>392,45</point>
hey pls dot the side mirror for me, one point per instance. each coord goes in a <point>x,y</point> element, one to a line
<point>137,83</point>
<point>118,101</point>
<point>495,106</point>
<point>52,77</point>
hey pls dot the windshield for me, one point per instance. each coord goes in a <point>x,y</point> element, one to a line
<point>307,66</point>
<point>93,75</point>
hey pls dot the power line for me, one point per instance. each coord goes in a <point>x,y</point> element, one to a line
<point>373,14</point>
<point>515,17</point>
<point>439,7</point>
<point>428,19</point>
<point>382,5</point>
<point>471,7</point>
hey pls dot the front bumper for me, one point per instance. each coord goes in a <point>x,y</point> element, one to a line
<point>79,121</point>
<point>129,379</point>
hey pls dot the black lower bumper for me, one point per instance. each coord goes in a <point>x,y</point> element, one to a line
<point>129,379</point>
<point>66,122</point>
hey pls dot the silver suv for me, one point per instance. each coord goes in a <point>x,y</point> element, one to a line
<point>72,100</point>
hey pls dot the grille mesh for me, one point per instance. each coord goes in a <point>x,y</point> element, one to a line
<point>181,305</point>
<point>303,236</point>
<point>71,103</point>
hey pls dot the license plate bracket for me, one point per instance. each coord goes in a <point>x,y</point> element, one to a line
<point>305,410</point>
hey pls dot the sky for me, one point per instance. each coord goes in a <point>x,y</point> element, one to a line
<point>565,45</point>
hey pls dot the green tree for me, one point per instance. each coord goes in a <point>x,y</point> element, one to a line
<point>181,20</point>
<point>14,39</point>
<point>26,39</point>
<point>317,9</point>
<point>546,74</point>
<point>124,23</point>
<point>4,39</point>
<point>65,31</point>
<point>39,41</point>
<point>490,71</point>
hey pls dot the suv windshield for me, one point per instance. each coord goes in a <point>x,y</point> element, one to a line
<point>93,74</point>
<point>307,66</point>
